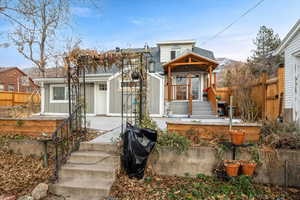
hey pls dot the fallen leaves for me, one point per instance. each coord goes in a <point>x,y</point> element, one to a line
<point>20,174</point>
<point>156,187</point>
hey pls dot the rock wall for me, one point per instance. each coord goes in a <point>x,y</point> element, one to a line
<point>204,159</point>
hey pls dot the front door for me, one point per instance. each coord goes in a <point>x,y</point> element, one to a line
<point>195,88</point>
<point>101,92</point>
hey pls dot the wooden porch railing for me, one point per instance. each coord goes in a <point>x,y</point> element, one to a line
<point>211,95</point>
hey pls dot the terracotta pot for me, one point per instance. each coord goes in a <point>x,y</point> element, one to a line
<point>237,136</point>
<point>248,168</point>
<point>232,168</point>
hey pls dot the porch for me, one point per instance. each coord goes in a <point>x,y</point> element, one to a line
<point>190,86</point>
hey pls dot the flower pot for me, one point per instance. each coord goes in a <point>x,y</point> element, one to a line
<point>248,168</point>
<point>237,136</point>
<point>232,168</point>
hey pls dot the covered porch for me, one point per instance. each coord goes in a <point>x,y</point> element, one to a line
<point>190,83</point>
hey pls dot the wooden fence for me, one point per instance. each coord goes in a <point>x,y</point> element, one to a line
<point>266,93</point>
<point>8,99</point>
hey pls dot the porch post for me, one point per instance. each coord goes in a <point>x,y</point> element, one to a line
<point>190,95</point>
<point>210,76</point>
<point>169,83</point>
<point>215,80</point>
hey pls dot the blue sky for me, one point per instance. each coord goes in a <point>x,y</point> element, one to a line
<point>131,23</point>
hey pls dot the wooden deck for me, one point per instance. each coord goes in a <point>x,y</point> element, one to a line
<point>209,130</point>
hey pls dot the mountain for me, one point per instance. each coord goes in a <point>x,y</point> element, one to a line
<point>226,63</point>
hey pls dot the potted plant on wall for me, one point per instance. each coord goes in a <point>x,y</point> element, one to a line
<point>231,167</point>
<point>237,136</point>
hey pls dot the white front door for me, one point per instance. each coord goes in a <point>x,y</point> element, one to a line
<point>100,93</point>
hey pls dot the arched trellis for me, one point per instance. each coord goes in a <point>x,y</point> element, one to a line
<point>132,66</point>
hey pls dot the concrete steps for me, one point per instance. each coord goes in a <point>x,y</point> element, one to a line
<point>89,173</point>
<point>202,110</point>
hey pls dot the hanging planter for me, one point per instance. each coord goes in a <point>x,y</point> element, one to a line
<point>248,167</point>
<point>135,75</point>
<point>231,167</point>
<point>237,136</point>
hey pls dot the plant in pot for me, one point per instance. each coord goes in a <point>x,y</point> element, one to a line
<point>237,136</point>
<point>248,167</point>
<point>218,98</point>
<point>231,167</point>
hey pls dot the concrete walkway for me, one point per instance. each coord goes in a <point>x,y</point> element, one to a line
<point>113,127</point>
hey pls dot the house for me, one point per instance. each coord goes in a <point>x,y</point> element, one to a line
<point>290,46</point>
<point>15,80</point>
<point>177,76</point>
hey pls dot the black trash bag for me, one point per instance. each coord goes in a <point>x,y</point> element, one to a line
<point>138,144</point>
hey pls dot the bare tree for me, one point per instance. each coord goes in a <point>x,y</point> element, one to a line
<point>35,32</point>
<point>36,26</point>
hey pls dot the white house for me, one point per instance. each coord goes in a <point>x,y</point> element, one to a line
<point>290,46</point>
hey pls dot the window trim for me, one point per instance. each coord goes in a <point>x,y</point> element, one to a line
<point>127,88</point>
<point>51,93</point>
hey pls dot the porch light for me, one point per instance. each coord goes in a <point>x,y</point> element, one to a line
<point>151,66</point>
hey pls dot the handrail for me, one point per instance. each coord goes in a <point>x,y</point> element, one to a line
<point>67,137</point>
<point>211,95</point>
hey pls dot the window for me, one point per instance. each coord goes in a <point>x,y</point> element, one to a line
<point>102,86</point>
<point>127,84</point>
<point>24,81</point>
<point>11,87</point>
<point>58,94</point>
<point>1,87</point>
<point>173,55</point>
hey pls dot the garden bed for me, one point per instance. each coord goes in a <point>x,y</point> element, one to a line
<point>200,187</point>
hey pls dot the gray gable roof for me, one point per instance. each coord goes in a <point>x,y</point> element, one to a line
<point>204,52</point>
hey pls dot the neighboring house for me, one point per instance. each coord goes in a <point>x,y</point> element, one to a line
<point>177,69</point>
<point>14,80</point>
<point>290,46</point>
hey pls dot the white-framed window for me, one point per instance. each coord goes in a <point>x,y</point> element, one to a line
<point>11,87</point>
<point>102,86</point>
<point>128,84</point>
<point>58,94</point>
<point>1,87</point>
<point>24,81</point>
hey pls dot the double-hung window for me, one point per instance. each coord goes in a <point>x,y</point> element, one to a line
<point>58,94</point>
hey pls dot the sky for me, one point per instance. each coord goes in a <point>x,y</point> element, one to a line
<point>132,23</point>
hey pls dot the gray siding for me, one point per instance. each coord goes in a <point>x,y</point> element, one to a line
<point>63,107</point>
<point>292,62</point>
<point>179,108</point>
<point>153,97</point>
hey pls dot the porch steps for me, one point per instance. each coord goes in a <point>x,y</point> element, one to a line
<point>202,110</point>
<point>89,173</point>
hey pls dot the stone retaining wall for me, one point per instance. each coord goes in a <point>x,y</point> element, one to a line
<point>203,160</point>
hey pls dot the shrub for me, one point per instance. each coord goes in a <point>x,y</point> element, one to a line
<point>174,141</point>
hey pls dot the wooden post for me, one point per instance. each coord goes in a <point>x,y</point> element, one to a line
<point>215,80</point>
<point>264,93</point>
<point>13,98</point>
<point>280,89</point>
<point>210,76</point>
<point>169,83</point>
<point>190,95</point>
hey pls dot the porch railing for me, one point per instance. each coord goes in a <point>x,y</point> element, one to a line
<point>183,92</point>
<point>211,95</point>
<point>67,137</point>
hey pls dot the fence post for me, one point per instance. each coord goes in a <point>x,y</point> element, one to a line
<point>264,88</point>
<point>13,99</point>
<point>280,88</point>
